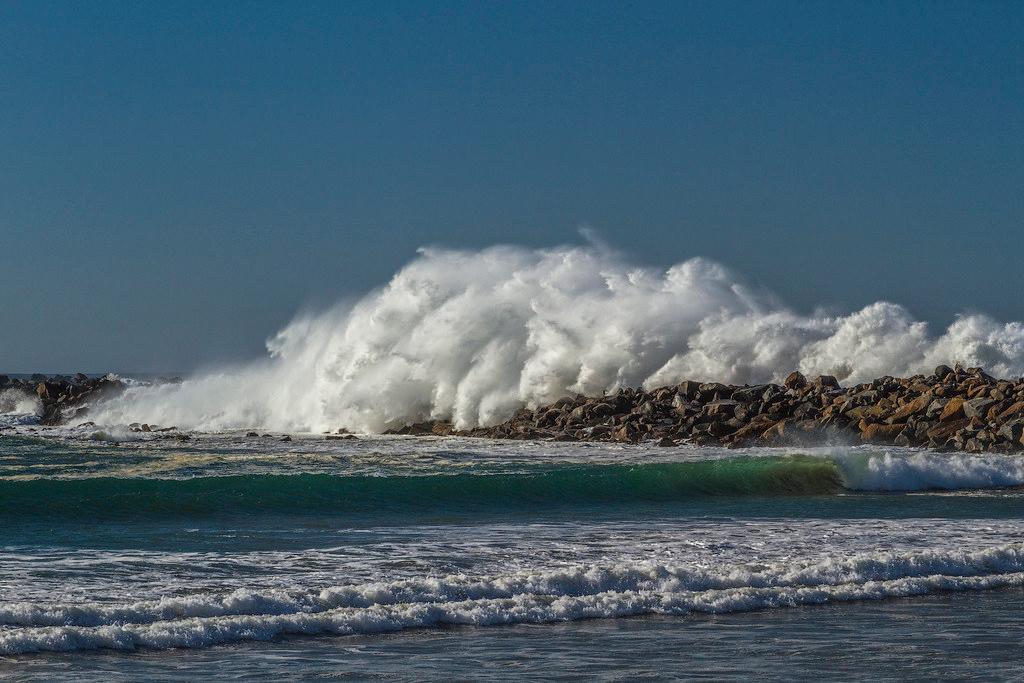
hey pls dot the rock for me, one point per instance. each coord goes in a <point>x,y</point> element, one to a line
<point>826,382</point>
<point>918,405</point>
<point>978,407</point>
<point>776,432</point>
<point>725,407</point>
<point>250,434</point>
<point>688,389</point>
<point>627,432</point>
<point>881,433</point>
<point>954,410</point>
<point>946,430</point>
<point>963,410</point>
<point>935,408</point>
<point>1015,410</point>
<point>666,442</point>
<point>441,429</point>
<point>646,408</point>
<point>715,391</point>
<point>417,429</point>
<point>943,371</point>
<point>795,380</point>
<point>1012,431</point>
<point>749,394</point>
<point>285,438</point>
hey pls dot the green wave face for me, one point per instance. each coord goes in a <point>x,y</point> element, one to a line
<point>559,485</point>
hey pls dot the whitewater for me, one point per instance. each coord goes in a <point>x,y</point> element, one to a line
<point>258,556</point>
<point>472,336</point>
<point>246,544</point>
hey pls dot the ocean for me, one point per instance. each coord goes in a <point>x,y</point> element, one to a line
<point>128,556</point>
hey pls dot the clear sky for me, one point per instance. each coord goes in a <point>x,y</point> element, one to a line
<point>178,179</point>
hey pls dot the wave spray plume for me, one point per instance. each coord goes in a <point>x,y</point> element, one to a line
<point>472,336</point>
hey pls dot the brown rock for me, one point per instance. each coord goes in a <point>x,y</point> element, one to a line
<point>953,410</point>
<point>945,430</point>
<point>918,405</point>
<point>795,380</point>
<point>441,428</point>
<point>776,431</point>
<point>627,433</point>
<point>1015,410</point>
<point>881,433</point>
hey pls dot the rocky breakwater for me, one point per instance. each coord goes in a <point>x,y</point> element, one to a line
<point>62,398</point>
<point>953,408</point>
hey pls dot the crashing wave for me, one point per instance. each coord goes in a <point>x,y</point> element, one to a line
<point>472,336</point>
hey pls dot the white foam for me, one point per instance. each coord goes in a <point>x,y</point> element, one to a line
<point>526,597</point>
<point>18,408</point>
<point>474,335</point>
<point>922,471</point>
<point>17,402</point>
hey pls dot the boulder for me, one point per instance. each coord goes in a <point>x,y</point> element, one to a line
<point>978,407</point>
<point>795,380</point>
<point>918,405</point>
<point>441,428</point>
<point>945,430</point>
<point>688,389</point>
<point>826,382</point>
<point>881,433</point>
<point>953,410</point>
<point>1015,410</point>
<point>1011,431</point>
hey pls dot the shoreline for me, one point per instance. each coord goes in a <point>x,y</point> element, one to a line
<point>950,409</point>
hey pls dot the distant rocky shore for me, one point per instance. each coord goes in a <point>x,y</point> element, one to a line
<point>952,409</point>
<point>63,397</point>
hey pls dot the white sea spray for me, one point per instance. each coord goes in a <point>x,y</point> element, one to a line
<point>472,336</point>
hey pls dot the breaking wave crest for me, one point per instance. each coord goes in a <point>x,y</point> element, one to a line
<point>528,487</point>
<point>472,336</point>
<point>18,408</point>
<point>527,597</point>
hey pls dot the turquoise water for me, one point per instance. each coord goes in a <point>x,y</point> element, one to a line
<point>137,556</point>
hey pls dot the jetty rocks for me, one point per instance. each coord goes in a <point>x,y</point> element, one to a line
<point>951,409</point>
<point>63,397</point>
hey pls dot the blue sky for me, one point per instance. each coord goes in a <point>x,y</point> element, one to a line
<point>177,179</point>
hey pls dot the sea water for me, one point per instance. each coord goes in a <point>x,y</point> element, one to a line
<point>136,555</point>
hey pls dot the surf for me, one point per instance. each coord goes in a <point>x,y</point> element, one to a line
<point>540,596</point>
<point>472,336</point>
